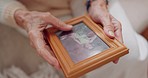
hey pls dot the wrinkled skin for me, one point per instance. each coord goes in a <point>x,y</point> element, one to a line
<point>112,27</point>
<point>35,22</point>
<point>100,14</point>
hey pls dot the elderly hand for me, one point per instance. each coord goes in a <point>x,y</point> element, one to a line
<point>112,27</point>
<point>34,23</point>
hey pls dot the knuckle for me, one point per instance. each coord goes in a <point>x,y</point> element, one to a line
<point>31,32</point>
<point>119,25</point>
<point>120,28</point>
<point>32,45</point>
<point>42,49</point>
<point>109,27</point>
<point>45,15</point>
<point>48,13</point>
<point>61,23</point>
<point>40,52</point>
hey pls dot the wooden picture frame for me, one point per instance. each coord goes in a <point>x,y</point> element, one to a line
<point>70,63</point>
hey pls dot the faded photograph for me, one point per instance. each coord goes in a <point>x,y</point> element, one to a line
<point>81,42</point>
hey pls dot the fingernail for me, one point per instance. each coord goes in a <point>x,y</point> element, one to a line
<point>111,33</point>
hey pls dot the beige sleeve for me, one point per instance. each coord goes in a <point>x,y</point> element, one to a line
<point>7,10</point>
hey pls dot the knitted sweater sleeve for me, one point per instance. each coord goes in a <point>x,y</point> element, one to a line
<point>7,10</point>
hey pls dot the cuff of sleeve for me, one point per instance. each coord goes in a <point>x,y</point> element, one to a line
<point>8,12</point>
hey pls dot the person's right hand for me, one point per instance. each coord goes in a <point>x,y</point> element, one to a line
<point>34,23</point>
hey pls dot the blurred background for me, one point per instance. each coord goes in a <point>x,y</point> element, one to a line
<point>137,13</point>
<point>16,50</point>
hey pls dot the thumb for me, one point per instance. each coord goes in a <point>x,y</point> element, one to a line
<point>108,27</point>
<point>59,24</point>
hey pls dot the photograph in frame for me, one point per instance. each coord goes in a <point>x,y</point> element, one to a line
<point>81,42</point>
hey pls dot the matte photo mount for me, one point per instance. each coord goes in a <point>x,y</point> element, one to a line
<point>77,50</point>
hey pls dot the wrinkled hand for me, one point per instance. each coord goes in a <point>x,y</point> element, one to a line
<point>112,27</point>
<point>34,23</point>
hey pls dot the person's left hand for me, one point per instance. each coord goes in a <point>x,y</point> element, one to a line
<point>112,27</point>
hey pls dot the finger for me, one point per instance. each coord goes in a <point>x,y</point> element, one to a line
<point>46,54</point>
<point>43,50</point>
<point>108,26</point>
<point>118,29</point>
<point>118,32</point>
<point>58,23</point>
<point>116,61</point>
